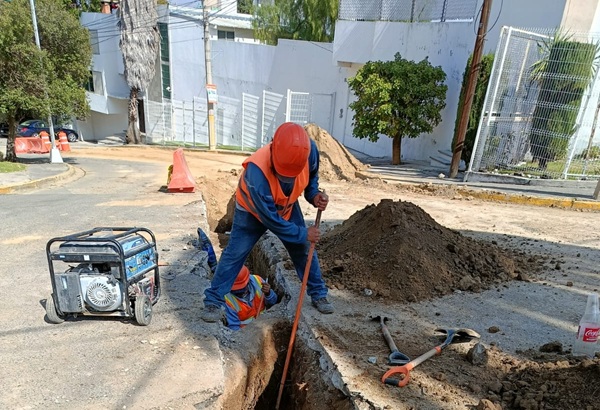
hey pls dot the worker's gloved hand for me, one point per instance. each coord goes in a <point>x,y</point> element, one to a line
<point>320,201</point>
<point>313,234</point>
<point>266,288</point>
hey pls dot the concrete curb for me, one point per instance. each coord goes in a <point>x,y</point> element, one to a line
<point>37,183</point>
<point>496,196</point>
<point>571,203</point>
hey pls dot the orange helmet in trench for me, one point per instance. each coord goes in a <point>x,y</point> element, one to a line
<point>242,279</point>
<point>290,149</point>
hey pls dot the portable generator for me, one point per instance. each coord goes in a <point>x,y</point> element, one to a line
<point>108,272</point>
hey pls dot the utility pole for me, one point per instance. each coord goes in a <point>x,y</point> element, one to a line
<point>54,153</point>
<point>470,90</point>
<point>212,143</point>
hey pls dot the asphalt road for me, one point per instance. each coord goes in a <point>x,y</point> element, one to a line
<point>93,363</point>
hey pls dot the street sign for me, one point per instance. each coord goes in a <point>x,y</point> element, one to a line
<point>211,92</point>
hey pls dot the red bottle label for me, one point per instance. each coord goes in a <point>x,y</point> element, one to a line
<point>590,334</point>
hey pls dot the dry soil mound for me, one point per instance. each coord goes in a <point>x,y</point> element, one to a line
<point>396,250</point>
<point>336,161</point>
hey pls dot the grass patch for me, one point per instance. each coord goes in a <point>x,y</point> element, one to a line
<point>6,167</point>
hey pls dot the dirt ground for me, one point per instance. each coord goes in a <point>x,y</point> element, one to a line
<point>388,245</point>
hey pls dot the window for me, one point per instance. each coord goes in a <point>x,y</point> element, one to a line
<point>95,84</point>
<point>94,42</point>
<point>225,35</point>
<point>165,67</point>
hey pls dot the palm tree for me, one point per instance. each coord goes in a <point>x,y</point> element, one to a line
<point>139,45</point>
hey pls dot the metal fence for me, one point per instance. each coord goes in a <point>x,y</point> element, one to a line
<point>241,124</point>
<point>541,108</point>
<point>407,10</point>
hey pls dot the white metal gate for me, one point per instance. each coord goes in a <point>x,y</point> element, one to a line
<point>249,138</point>
<point>236,120</point>
<point>270,109</point>
<point>540,105</point>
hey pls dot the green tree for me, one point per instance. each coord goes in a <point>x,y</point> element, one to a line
<point>40,83</point>
<point>484,73</point>
<point>397,98</point>
<point>311,20</point>
<point>139,45</point>
<point>245,6</point>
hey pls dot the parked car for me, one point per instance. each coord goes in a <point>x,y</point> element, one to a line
<point>32,128</point>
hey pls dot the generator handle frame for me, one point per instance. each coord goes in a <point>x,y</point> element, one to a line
<point>118,232</point>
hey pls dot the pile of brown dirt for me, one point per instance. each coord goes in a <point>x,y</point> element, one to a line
<point>336,161</point>
<point>397,251</point>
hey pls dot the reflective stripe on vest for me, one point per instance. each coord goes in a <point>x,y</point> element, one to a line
<point>283,203</point>
<point>245,312</point>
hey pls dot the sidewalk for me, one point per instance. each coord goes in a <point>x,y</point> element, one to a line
<point>558,193</point>
<point>40,171</point>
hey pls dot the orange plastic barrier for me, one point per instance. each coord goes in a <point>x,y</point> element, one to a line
<point>30,145</point>
<point>63,142</point>
<point>46,140</point>
<point>181,177</point>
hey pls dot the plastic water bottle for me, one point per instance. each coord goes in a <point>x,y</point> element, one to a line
<point>589,326</point>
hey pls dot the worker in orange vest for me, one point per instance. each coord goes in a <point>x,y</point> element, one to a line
<point>273,179</point>
<point>250,295</point>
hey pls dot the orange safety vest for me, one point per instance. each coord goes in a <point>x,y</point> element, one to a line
<point>245,312</point>
<point>283,203</point>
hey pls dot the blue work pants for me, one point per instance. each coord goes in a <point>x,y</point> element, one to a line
<point>245,232</point>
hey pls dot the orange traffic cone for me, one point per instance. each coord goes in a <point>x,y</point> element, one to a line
<point>46,140</point>
<point>181,178</point>
<point>64,142</point>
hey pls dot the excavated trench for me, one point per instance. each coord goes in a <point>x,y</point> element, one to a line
<point>310,382</point>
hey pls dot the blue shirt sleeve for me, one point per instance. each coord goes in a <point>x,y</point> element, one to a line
<point>312,189</point>
<point>260,192</point>
<point>233,321</point>
<point>271,299</point>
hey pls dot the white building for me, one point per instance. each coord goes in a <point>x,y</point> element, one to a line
<point>182,33</point>
<point>442,30</point>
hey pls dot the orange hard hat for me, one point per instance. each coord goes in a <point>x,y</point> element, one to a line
<point>242,279</point>
<point>290,149</point>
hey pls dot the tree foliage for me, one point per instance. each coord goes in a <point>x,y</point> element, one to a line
<point>483,78</point>
<point>40,83</point>
<point>398,98</point>
<point>311,20</point>
<point>139,45</point>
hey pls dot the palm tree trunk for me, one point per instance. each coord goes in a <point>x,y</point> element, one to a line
<point>133,132</point>
<point>396,147</point>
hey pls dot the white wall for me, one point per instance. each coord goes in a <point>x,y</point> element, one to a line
<point>99,126</point>
<point>522,14</point>
<point>187,58</point>
<point>444,44</point>
<point>251,68</point>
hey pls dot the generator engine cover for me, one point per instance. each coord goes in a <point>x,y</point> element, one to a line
<point>101,292</point>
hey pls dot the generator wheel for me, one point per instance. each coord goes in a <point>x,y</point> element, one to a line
<point>51,312</point>
<point>143,310</point>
